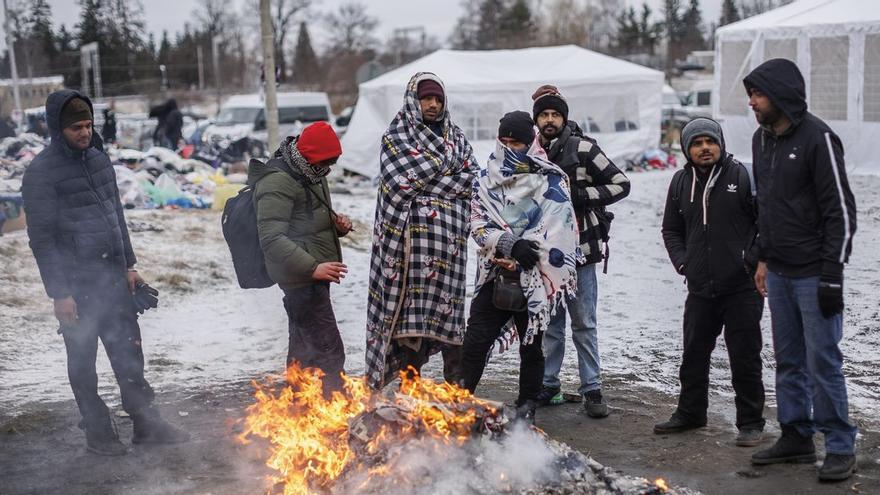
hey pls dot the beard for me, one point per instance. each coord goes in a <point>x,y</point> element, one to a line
<point>770,117</point>
<point>549,131</point>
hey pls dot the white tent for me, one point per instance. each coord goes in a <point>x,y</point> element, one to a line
<point>614,101</point>
<point>835,43</point>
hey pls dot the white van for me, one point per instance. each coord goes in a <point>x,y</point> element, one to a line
<point>244,115</point>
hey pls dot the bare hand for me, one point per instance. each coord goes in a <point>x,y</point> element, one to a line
<point>330,271</point>
<point>133,279</point>
<point>343,224</point>
<point>65,311</point>
<point>761,278</point>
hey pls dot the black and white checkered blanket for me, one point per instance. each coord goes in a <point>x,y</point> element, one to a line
<point>419,254</point>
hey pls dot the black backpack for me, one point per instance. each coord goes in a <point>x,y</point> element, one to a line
<point>239,224</point>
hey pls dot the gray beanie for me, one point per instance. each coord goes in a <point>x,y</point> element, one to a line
<point>699,127</point>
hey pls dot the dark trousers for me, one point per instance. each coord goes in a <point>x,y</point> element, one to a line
<point>740,316</point>
<point>451,358</point>
<point>483,327</point>
<point>106,311</point>
<point>314,340</point>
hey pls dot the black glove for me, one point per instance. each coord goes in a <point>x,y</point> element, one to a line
<point>831,289</point>
<point>145,297</point>
<point>526,253</point>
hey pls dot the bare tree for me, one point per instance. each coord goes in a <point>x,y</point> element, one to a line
<point>285,16</point>
<point>351,29</point>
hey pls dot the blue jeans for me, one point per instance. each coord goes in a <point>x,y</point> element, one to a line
<point>810,386</point>
<point>582,309</point>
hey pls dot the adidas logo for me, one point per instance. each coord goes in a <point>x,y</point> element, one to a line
<point>731,188</point>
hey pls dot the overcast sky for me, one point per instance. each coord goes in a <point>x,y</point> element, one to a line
<point>438,18</point>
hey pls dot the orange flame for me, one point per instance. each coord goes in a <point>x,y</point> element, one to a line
<point>661,484</point>
<point>309,433</point>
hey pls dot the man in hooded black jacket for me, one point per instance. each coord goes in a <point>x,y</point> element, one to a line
<point>807,217</point>
<point>708,223</point>
<point>80,241</point>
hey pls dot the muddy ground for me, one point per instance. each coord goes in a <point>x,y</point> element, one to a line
<point>42,450</point>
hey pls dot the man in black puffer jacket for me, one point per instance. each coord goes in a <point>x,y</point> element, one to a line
<point>708,223</point>
<point>807,220</point>
<point>78,236</point>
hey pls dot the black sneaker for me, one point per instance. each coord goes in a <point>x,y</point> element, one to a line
<point>595,404</point>
<point>549,396</point>
<point>677,424</point>
<point>749,437</point>
<point>526,412</point>
<point>102,439</point>
<point>837,467</point>
<point>791,447</point>
<point>149,427</point>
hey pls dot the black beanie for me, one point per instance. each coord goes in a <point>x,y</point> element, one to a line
<point>75,110</point>
<point>517,125</point>
<point>550,101</point>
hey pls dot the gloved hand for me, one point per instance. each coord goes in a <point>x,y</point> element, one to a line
<point>526,253</point>
<point>831,289</point>
<point>145,297</point>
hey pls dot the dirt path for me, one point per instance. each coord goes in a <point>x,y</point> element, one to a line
<point>41,451</point>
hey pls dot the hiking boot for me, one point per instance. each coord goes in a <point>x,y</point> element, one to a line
<point>790,447</point>
<point>837,467</point>
<point>526,412</point>
<point>595,404</point>
<point>102,439</point>
<point>549,396</point>
<point>150,428</point>
<point>749,437</point>
<point>677,424</point>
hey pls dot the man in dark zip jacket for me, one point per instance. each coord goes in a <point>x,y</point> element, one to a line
<point>807,217</point>
<point>78,236</point>
<point>708,222</point>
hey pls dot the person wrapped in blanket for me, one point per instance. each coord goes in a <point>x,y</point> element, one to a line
<point>416,296</point>
<point>524,223</point>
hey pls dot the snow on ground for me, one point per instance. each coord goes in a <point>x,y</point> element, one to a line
<point>207,331</point>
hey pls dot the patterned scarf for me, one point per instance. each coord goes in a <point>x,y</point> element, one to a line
<point>419,253</point>
<point>528,197</point>
<point>297,162</point>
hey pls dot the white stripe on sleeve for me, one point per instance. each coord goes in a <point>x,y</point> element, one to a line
<point>834,167</point>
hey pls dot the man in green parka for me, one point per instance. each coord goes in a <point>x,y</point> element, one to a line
<point>299,234</point>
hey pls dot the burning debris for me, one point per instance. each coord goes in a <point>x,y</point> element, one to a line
<point>426,437</point>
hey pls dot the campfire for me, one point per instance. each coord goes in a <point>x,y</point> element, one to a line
<point>425,437</point>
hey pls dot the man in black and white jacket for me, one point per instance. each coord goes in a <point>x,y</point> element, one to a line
<point>709,220</point>
<point>595,183</point>
<point>807,218</point>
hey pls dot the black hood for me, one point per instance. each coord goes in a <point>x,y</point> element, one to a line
<point>54,104</point>
<point>782,82</point>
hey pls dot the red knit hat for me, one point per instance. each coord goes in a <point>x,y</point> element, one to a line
<point>318,142</point>
<point>429,87</point>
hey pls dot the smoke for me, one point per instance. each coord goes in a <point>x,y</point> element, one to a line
<point>517,461</point>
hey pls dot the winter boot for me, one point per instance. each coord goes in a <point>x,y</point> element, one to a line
<point>150,428</point>
<point>790,447</point>
<point>549,396</point>
<point>526,412</point>
<point>595,405</point>
<point>102,439</point>
<point>837,467</point>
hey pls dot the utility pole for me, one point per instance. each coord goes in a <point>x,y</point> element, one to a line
<point>215,54</point>
<point>11,48</point>
<point>268,37</point>
<point>201,59</point>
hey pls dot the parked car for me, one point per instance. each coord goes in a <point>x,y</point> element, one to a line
<point>244,116</point>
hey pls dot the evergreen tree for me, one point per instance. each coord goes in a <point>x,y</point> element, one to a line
<point>164,48</point>
<point>692,23</point>
<point>40,27</point>
<point>650,32</point>
<point>628,34</point>
<point>306,70</point>
<point>467,28</point>
<point>491,12</point>
<point>516,26</point>
<point>729,13</point>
